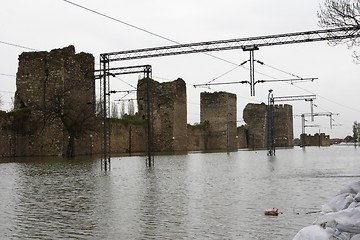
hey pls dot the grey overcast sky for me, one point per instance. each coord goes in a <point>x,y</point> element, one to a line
<point>45,25</point>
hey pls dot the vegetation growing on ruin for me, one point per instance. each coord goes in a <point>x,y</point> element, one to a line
<point>129,120</point>
<point>17,120</point>
<point>196,126</point>
<point>19,114</point>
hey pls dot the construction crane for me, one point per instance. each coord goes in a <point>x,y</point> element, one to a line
<point>249,44</point>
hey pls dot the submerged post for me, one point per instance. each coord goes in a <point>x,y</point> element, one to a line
<point>270,140</point>
<point>105,124</point>
<point>150,157</point>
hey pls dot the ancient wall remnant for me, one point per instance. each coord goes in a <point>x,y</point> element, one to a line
<point>320,140</point>
<point>255,116</point>
<point>58,88</point>
<point>218,111</point>
<point>242,137</point>
<point>283,126</point>
<point>169,113</point>
<point>55,114</point>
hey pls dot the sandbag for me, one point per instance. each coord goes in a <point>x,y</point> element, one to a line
<point>355,237</point>
<point>340,219</point>
<point>357,197</point>
<point>351,188</point>
<point>339,202</point>
<point>347,220</point>
<point>313,232</point>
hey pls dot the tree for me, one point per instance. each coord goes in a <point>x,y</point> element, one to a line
<point>356,132</point>
<point>341,13</point>
<point>98,107</point>
<point>122,109</point>
<point>114,110</point>
<point>73,110</point>
<point>131,106</point>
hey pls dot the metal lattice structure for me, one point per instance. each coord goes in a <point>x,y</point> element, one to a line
<point>246,44</point>
<point>250,44</point>
<point>104,75</point>
<point>312,115</point>
<point>269,120</point>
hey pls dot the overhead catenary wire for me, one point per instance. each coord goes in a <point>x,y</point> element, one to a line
<point>156,35</point>
<point>327,99</point>
<point>140,29</point>
<point>18,46</point>
<point>7,75</point>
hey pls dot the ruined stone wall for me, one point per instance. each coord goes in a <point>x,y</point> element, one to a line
<point>169,113</point>
<point>55,99</point>
<point>320,140</point>
<point>283,126</point>
<point>242,139</point>
<point>195,138</point>
<point>218,110</point>
<point>58,88</point>
<point>255,115</point>
<point>127,138</point>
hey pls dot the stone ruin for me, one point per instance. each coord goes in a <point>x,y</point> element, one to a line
<point>55,97</point>
<point>255,116</point>
<point>55,114</point>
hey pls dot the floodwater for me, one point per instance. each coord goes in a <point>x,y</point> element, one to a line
<point>193,196</point>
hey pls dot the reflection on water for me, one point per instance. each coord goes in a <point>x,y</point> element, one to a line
<point>194,196</point>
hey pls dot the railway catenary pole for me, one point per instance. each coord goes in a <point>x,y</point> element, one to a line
<point>270,137</point>
<point>104,75</point>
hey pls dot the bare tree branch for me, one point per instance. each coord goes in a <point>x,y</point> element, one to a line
<point>341,13</point>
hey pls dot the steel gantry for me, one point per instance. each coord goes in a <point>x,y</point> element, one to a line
<point>246,44</point>
<point>104,75</point>
<point>250,44</point>
<point>312,115</point>
<point>270,120</point>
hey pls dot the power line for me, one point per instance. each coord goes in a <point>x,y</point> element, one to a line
<point>122,22</point>
<point>176,42</point>
<point>7,75</point>
<point>327,99</point>
<point>140,29</point>
<point>291,74</point>
<point>18,46</point>
<point>125,82</point>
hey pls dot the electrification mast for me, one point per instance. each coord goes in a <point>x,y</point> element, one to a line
<point>104,75</point>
